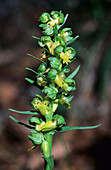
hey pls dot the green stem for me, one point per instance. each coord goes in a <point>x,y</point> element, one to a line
<point>48,164</point>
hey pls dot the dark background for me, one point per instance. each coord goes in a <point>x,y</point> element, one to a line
<point>73,150</point>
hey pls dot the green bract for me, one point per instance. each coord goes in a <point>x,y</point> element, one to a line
<point>52,80</point>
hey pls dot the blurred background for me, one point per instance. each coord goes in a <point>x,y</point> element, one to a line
<point>73,150</point>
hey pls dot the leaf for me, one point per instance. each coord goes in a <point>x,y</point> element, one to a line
<point>74,72</point>
<point>71,41</point>
<point>31,70</point>
<point>35,72</point>
<point>21,123</point>
<point>49,161</point>
<point>29,80</point>
<point>24,112</point>
<point>33,147</point>
<point>36,58</point>
<point>36,37</point>
<point>66,128</point>
<point>64,21</point>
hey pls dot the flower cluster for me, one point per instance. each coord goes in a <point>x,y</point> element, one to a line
<point>51,75</point>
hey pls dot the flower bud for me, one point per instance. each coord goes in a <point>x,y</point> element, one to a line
<point>45,148</point>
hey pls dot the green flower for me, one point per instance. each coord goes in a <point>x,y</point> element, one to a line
<point>38,104</point>
<point>51,91</point>
<point>45,17</point>
<point>59,52</point>
<point>66,34</point>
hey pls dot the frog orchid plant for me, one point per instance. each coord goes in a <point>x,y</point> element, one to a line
<point>52,80</point>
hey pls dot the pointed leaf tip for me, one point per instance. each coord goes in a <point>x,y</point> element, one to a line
<point>66,128</point>
<point>29,80</point>
<point>36,37</point>
<point>36,58</point>
<point>24,112</point>
<point>74,72</point>
<point>15,120</point>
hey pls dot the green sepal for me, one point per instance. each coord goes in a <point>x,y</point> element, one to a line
<point>50,161</point>
<point>52,74</point>
<point>36,138</point>
<point>33,147</point>
<point>69,80</point>
<point>24,112</point>
<point>50,91</point>
<point>61,40</point>
<point>65,100</point>
<point>42,68</point>
<point>66,70</point>
<point>65,30</point>
<point>41,43</point>
<point>46,38</point>
<point>54,62</point>
<point>74,72</point>
<point>66,128</point>
<point>60,120</point>
<point>33,121</point>
<point>29,80</point>
<point>40,98</point>
<point>58,49</point>
<point>48,31</point>
<point>72,40</point>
